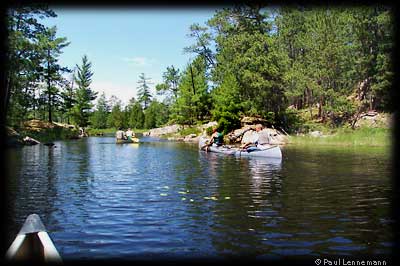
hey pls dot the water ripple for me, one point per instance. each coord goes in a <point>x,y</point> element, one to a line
<point>163,199</point>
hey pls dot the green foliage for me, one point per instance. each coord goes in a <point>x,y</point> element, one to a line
<point>116,117</point>
<point>228,122</point>
<point>209,131</point>
<point>250,56</point>
<point>339,109</point>
<point>144,91</point>
<point>291,121</point>
<point>189,130</point>
<point>193,102</point>
<point>326,63</point>
<point>99,116</point>
<point>32,55</point>
<point>227,103</point>
<point>136,116</point>
<point>51,134</point>
<point>170,85</point>
<point>156,115</point>
<point>84,94</point>
<point>331,51</point>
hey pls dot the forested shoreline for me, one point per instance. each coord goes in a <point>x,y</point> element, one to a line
<point>290,65</point>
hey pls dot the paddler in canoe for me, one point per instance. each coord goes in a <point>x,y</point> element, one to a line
<point>130,135</point>
<point>260,140</point>
<point>120,135</point>
<point>217,139</point>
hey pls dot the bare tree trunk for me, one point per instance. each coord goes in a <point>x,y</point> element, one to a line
<point>309,101</point>
<point>320,107</point>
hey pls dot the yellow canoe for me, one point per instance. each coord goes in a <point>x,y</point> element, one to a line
<point>122,141</point>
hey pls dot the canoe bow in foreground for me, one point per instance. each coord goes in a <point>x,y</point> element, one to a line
<point>269,152</point>
<point>33,243</point>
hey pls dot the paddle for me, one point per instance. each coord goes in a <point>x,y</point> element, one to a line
<point>259,149</point>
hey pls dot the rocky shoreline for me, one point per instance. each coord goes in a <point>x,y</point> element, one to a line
<point>241,135</point>
<point>34,132</point>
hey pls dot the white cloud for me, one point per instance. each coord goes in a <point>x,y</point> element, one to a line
<point>140,61</point>
<point>122,91</point>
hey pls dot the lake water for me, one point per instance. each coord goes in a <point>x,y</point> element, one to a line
<point>158,199</point>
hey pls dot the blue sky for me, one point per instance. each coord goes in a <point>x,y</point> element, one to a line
<point>122,43</point>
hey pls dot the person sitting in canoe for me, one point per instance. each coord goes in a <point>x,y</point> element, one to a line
<point>261,138</point>
<point>217,138</point>
<point>120,135</point>
<point>130,134</point>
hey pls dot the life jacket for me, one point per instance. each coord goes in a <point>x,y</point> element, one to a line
<point>219,139</point>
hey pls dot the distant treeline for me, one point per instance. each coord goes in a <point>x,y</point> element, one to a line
<point>247,60</point>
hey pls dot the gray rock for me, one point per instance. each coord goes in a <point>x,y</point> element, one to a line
<point>316,134</point>
<point>30,141</point>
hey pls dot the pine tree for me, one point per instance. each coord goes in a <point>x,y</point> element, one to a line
<point>84,94</point>
<point>144,94</point>
<point>100,115</point>
<point>169,87</point>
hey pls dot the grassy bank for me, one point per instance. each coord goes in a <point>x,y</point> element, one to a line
<point>365,136</point>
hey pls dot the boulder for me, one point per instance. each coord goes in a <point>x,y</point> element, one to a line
<point>316,134</point>
<point>276,137</point>
<point>237,135</point>
<point>248,136</point>
<point>191,138</point>
<point>38,125</point>
<point>30,141</point>
<point>156,132</point>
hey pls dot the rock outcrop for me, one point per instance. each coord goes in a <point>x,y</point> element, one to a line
<point>157,132</point>
<point>30,141</point>
<point>241,135</point>
<point>246,133</point>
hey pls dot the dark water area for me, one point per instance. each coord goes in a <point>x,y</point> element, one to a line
<point>161,199</point>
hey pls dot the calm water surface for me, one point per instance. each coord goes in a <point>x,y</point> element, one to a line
<point>162,199</point>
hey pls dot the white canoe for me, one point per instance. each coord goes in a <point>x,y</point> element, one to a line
<point>33,243</point>
<point>270,151</point>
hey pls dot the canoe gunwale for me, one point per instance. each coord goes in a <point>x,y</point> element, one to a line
<point>33,242</point>
<point>268,152</point>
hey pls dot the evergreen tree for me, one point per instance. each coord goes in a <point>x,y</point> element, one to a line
<point>51,47</point>
<point>170,85</point>
<point>136,117</point>
<point>144,91</point>
<point>68,98</point>
<point>84,94</point>
<point>227,105</point>
<point>24,56</point>
<point>116,117</point>
<point>156,115</point>
<point>247,50</point>
<point>193,103</point>
<point>100,115</point>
